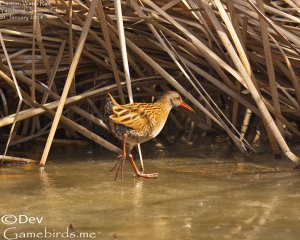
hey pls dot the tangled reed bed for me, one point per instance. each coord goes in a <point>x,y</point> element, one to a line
<point>237,62</point>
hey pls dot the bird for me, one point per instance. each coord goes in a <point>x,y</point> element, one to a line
<point>136,123</point>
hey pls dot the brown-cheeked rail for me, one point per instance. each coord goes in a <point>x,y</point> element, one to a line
<point>136,123</point>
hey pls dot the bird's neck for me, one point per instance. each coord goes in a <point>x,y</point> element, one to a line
<point>164,103</point>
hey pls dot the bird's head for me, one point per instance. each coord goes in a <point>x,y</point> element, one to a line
<point>176,100</point>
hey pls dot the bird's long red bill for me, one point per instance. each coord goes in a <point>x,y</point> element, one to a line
<point>183,104</point>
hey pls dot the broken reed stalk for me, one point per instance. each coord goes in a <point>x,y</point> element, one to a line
<point>17,159</point>
<point>188,30</point>
<point>69,80</point>
<point>54,71</point>
<point>18,92</point>
<point>71,124</point>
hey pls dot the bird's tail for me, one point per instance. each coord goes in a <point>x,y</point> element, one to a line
<point>108,109</point>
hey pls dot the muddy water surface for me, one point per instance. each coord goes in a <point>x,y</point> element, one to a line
<point>195,197</point>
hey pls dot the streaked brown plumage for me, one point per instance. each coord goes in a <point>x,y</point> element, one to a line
<point>139,122</point>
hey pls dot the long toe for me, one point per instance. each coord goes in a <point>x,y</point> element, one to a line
<point>120,165</point>
<point>120,157</point>
<point>147,175</point>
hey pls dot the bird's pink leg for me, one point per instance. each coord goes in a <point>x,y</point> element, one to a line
<point>138,173</point>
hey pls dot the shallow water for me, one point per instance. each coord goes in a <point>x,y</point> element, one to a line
<point>195,197</point>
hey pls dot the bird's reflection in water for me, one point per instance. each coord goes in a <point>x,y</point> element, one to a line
<point>138,195</point>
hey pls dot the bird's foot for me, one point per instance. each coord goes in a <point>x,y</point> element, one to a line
<point>117,163</point>
<point>146,175</point>
<point>138,173</point>
<point>120,165</point>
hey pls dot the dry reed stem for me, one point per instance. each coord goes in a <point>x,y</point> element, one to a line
<point>17,159</point>
<point>181,38</point>
<point>259,101</point>
<point>67,122</point>
<point>18,92</point>
<point>69,81</point>
<point>270,68</point>
<point>109,49</point>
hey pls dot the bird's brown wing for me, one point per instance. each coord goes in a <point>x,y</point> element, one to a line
<point>134,115</point>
